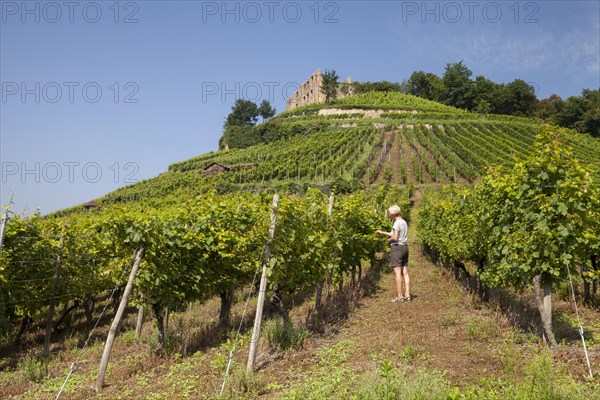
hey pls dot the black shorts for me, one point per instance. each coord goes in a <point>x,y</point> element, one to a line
<point>399,255</point>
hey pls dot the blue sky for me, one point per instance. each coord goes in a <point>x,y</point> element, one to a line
<point>98,94</point>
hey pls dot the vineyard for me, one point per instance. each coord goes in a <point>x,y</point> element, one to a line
<point>508,205</point>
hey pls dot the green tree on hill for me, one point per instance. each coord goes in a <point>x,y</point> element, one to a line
<point>265,110</point>
<point>458,86</point>
<point>522,98</point>
<point>381,86</point>
<point>243,113</point>
<point>488,95</point>
<point>581,113</point>
<point>425,84</point>
<point>549,107</point>
<point>329,86</point>
<point>457,89</point>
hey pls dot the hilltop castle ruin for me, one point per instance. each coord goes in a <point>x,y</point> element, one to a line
<point>310,91</point>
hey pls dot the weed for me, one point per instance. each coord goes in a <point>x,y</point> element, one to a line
<point>410,353</point>
<point>34,369</point>
<point>540,381</point>
<point>219,362</point>
<point>510,357</point>
<point>285,336</point>
<point>482,328</point>
<point>337,353</point>
<point>397,384</point>
<point>385,369</point>
<point>457,297</point>
<point>330,380</point>
<point>128,337</point>
<point>242,386</point>
<point>449,320</point>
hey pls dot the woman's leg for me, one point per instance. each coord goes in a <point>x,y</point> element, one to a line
<point>406,280</point>
<point>398,275</point>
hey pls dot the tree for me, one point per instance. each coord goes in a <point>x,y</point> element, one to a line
<point>243,113</point>
<point>458,88</point>
<point>522,98</point>
<point>425,84</point>
<point>265,110</point>
<point>487,96</point>
<point>581,113</point>
<point>381,86</point>
<point>591,121</point>
<point>329,86</point>
<point>547,109</point>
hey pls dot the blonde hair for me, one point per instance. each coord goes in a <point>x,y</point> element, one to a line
<point>394,210</point>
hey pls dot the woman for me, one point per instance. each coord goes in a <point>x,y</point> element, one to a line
<point>398,239</point>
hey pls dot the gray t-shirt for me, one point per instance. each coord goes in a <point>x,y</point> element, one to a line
<point>402,228</point>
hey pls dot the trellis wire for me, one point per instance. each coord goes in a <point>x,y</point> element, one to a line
<point>587,357</point>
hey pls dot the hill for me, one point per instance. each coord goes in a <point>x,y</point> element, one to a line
<point>371,137</point>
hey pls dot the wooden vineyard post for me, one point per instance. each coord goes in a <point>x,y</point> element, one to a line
<point>166,319</point>
<point>50,315</point>
<point>2,228</point>
<point>140,321</point>
<point>262,290</point>
<point>319,292</point>
<point>115,324</point>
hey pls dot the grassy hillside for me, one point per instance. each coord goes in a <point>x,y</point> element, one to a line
<point>352,142</point>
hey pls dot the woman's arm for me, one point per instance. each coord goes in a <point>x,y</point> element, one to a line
<point>393,236</point>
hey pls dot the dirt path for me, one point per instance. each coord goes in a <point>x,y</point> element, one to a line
<point>395,157</point>
<point>431,331</point>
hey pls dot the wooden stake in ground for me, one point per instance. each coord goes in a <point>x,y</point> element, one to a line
<point>138,325</point>
<point>115,324</point>
<point>262,290</point>
<point>319,291</point>
<point>2,226</point>
<point>542,285</point>
<point>50,316</point>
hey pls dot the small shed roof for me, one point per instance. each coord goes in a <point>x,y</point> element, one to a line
<point>216,164</point>
<point>90,204</point>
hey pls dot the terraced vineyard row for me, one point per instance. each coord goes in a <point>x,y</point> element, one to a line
<point>318,157</point>
<point>446,151</point>
<point>443,152</point>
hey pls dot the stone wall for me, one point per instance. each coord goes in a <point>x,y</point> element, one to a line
<point>310,92</point>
